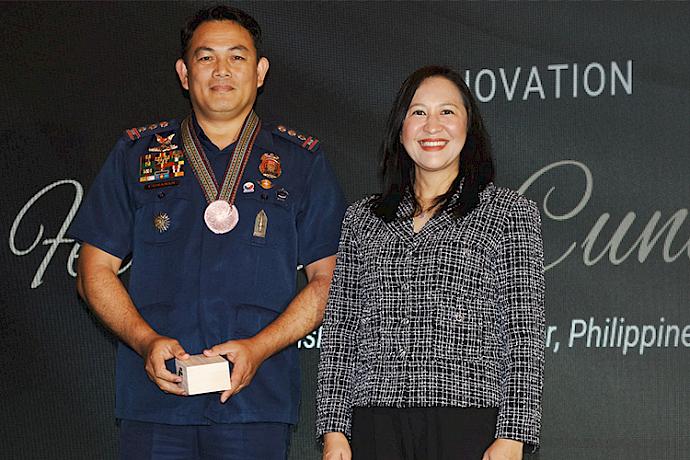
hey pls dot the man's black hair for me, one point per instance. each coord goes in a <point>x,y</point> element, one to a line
<point>220,13</point>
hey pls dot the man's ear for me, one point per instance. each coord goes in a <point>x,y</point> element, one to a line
<point>261,71</point>
<point>181,69</point>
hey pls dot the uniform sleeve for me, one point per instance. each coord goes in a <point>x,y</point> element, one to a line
<point>521,298</point>
<point>337,360</point>
<point>105,217</point>
<point>321,213</point>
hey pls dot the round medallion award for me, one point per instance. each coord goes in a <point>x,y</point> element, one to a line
<point>221,217</point>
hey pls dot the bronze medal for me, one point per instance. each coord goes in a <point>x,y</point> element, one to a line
<point>221,217</point>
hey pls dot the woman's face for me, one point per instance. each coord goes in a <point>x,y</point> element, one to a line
<point>435,126</point>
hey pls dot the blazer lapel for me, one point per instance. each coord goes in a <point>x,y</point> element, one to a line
<point>401,226</point>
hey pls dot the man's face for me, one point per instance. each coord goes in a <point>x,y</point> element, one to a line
<point>221,71</point>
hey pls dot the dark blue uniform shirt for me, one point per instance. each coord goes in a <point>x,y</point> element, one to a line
<point>203,288</point>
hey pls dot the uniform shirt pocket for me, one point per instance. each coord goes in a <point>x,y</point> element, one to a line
<point>161,221</point>
<point>160,226</point>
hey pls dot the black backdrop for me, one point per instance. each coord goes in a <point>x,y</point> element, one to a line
<point>588,108</point>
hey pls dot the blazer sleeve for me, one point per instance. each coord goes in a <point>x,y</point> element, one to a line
<point>337,360</point>
<point>520,272</point>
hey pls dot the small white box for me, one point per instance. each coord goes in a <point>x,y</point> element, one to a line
<point>203,374</point>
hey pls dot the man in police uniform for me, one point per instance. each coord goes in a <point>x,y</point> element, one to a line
<point>217,211</point>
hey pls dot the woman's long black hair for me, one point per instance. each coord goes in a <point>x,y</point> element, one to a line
<point>398,169</point>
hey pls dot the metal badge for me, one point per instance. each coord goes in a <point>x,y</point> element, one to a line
<point>161,222</point>
<point>282,194</point>
<point>248,187</point>
<point>265,184</point>
<point>270,165</point>
<point>165,144</point>
<point>260,224</point>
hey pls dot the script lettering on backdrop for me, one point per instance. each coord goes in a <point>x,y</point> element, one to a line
<point>54,242</point>
<point>642,246</point>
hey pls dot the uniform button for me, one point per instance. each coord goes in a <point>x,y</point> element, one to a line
<point>161,195</point>
<point>405,321</point>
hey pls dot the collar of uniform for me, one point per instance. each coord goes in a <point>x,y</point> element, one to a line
<point>199,131</point>
<point>263,139</point>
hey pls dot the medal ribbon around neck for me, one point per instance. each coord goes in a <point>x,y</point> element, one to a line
<point>221,215</point>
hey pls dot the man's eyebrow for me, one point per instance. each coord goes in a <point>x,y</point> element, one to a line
<point>232,48</point>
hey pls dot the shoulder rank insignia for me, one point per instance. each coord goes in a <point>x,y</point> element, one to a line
<point>135,133</point>
<point>307,142</point>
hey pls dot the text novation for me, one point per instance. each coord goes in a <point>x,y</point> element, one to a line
<point>553,81</point>
<point>659,233</point>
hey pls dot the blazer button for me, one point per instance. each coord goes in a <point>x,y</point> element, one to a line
<point>459,316</point>
<point>405,321</point>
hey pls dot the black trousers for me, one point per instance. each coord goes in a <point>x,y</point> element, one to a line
<point>422,433</point>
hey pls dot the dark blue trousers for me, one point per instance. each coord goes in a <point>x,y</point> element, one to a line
<point>227,441</point>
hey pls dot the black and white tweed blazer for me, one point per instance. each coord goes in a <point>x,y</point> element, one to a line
<point>450,316</point>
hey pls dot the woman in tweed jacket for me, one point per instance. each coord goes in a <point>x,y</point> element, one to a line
<point>433,339</point>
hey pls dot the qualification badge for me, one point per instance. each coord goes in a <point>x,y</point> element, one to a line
<point>260,224</point>
<point>161,222</point>
<point>270,165</point>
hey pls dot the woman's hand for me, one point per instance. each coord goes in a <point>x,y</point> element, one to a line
<point>336,447</point>
<point>504,449</point>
